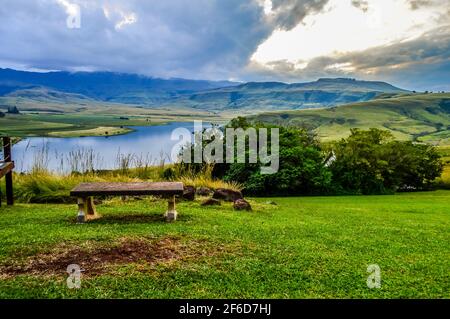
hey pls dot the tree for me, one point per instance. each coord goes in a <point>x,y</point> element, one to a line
<point>301,165</point>
<point>372,162</point>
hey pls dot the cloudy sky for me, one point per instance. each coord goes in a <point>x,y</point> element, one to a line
<point>406,42</point>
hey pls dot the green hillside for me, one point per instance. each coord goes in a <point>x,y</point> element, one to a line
<point>257,96</point>
<point>420,117</point>
<point>203,95</point>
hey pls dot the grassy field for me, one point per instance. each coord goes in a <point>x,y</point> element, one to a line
<point>304,247</point>
<point>98,131</point>
<point>90,117</point>
<point>424,118</point>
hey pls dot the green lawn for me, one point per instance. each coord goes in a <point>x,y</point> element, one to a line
<point>304,247</point>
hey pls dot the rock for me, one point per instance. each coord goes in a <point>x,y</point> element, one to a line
<point>227,195</point>
<point>242,204</point>
<point>271,202</point>
<point>211,202</point>
<point>204,191</point>
<point>189,193</point>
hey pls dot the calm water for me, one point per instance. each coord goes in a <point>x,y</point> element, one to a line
<point>147,144</point>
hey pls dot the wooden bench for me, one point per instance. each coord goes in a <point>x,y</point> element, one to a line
<point>86,191</point>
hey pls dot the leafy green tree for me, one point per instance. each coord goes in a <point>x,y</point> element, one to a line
<point>372,162</point>
<point>301,170</point>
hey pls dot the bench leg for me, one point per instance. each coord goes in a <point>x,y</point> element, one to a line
<point>91,211</point>
<point>9,189</point>
<point>171,214</point>
<point>82,209</point>
<point>86,210</point>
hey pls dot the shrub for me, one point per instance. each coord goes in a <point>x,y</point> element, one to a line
<point>372,162</point>
<point>301,171</point>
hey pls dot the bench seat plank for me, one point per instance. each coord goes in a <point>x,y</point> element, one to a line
<point>5,168</point>
<point>127,189</point>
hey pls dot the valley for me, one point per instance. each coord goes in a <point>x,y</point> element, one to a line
<point>103,103</point>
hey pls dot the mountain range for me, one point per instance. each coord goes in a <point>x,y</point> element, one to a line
<point>199,94</point>
<point>104,86</point>
<point>279,96</point>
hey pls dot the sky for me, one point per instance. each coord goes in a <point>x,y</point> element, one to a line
<point>404,42</point>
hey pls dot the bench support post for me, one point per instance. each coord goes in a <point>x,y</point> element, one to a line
<point>82,208</point>
<point>86,209</point>
<point>171,214</point>
<point>91,211</point>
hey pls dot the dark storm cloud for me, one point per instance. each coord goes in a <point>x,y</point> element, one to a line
<point>289,13</point>
<point>168,38</point>
<point>195,39</point>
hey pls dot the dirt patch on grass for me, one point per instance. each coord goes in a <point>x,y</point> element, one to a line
<point>96,258</point>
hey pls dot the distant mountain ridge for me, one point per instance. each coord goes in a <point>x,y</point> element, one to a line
<point>199,94</point>
<point>329,84</point>
<point>283,96</point>
<point>106,86</point>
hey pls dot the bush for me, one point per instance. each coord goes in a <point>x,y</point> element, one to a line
<point>367,162</point>
<point>301,171</point>
<point>372,162</point>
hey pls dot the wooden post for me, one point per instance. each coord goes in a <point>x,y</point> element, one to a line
<point>171,214</point>
<point>8,176</point>
<point>86,210</point>
<point>90,209</point>
<point>82,208</point>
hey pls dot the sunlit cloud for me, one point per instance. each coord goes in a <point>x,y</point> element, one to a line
<point>343,27</point>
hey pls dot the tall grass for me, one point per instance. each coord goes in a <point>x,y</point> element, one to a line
<point>203,178</point>
<point>40,185</point>
<point>46,187</point>
<point>84,160</point>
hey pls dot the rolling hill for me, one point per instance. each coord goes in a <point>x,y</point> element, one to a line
<point>258,96</point>
<point>175,93</point>
<point>419,117</point>
<point>105,86</point>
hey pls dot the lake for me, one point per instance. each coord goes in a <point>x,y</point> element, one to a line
<point>146,144</point>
